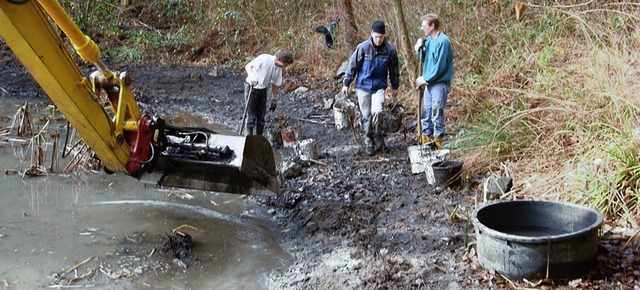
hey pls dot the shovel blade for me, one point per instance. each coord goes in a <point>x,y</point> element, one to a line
<point>200,159</point>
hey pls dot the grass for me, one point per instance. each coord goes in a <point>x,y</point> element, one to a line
<point>552,96</point>
<point>551,103</point>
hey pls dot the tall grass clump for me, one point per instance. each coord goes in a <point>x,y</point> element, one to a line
<point>568,74</point>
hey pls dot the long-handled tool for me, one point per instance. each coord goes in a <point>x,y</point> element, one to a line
<point>419,88</point>
<point>246,107</point>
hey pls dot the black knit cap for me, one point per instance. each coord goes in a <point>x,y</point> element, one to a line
<point>378,26</point>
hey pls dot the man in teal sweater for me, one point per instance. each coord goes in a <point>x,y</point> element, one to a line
<point>437,62</point>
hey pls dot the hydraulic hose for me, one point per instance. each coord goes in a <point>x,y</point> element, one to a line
<point>18,1</point>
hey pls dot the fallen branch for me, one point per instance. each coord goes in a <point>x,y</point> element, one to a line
<point>318,162</point>
<point>319,116</point>
<point>78,265</point>
<point>311,121</point>
<point>16,141</point>
<point>115,275</point>
<point>148,27</point>
<point>187,226</point>
<point>89,273</point>
<point>234,199</point>
<point>380,159</point>
<point>69,286</point>
<point>77,159</point>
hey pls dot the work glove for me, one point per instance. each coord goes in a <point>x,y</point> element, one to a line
<point>420,82</point>
<point>252,82</point>
<point>419,44</point>
<point>345,91</point>
<point>273,105</point>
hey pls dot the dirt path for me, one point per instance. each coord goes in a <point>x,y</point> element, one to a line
<point>349,221</point>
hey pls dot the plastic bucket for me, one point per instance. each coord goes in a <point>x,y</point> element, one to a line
<point>447,172</point>
<point>537,239</point>
<point>343,113</point>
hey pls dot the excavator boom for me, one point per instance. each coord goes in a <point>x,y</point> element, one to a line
<point>128,141</point>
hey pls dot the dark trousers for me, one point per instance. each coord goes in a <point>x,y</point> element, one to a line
<point>256,110</point>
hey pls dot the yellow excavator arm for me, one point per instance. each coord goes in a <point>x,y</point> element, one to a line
<point>27,32</point>
<point>128,141</point>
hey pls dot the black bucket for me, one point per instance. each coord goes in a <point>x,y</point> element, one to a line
<point>537,239</point>
<point>447,172</point>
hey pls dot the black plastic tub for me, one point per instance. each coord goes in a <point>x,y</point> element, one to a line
<point>447,172</point>
<point>537,239</point>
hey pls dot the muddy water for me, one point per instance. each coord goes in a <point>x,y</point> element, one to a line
<point>117,227</point>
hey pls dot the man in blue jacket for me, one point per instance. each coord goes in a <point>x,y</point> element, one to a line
<point>437,61</point>
<point>370,65</point>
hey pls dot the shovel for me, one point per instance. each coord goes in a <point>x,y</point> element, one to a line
<point>420,90</point>
<point>244,114</point>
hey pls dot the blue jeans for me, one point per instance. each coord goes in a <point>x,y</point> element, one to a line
<point>433,105</point>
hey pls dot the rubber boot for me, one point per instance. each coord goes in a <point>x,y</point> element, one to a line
<point>378,140</point>
<point>438,143</point>
<point>247,131</point>
<point>426,139</point>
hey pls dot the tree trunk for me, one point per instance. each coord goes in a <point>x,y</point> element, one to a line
<point>350,34</point>
<point>406,49</point>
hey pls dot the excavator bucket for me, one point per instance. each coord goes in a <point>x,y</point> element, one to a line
<point>198,158</point>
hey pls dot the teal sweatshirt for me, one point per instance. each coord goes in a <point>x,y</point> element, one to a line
<point>437,59</point>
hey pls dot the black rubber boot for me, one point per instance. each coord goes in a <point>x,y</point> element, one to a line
<point>247,131</point>
<point>378,140</point>
<point>259,130</point>
<point>379,143</point>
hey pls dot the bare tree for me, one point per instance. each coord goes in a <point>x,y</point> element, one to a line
<point>350,28</point>
<point>404,41</point>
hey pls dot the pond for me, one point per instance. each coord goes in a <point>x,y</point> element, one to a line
<point>103,231</point>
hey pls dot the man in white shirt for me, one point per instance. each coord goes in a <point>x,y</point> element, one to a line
<point>262,72</point>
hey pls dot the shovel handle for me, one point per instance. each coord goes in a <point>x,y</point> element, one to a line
<point>420,96</point>
<point>246,107</point>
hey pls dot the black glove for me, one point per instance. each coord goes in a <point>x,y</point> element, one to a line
<point>273,105</point>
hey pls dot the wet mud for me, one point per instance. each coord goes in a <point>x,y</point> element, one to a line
<point>347,219</point>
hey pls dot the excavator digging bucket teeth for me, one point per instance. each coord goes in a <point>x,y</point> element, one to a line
<point>201,159</point>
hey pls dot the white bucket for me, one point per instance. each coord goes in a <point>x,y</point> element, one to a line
<point>307,149</point>
<point>343,113</point>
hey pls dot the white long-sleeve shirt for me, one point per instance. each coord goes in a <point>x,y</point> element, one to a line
<point>264,70</point>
